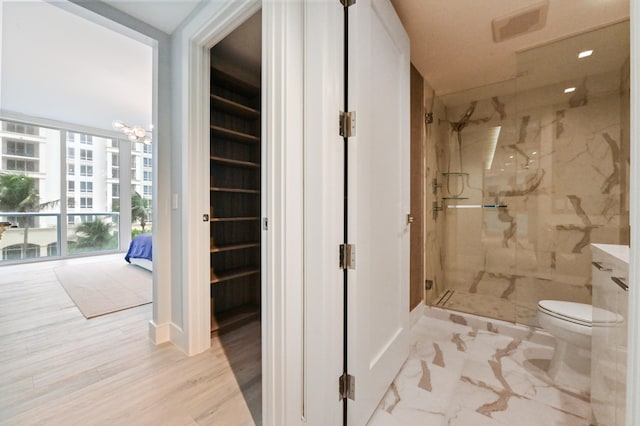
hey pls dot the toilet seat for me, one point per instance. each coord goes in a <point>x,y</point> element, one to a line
<point>578,313</point>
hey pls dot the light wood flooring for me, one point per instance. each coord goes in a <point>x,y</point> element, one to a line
<point>58,368</point>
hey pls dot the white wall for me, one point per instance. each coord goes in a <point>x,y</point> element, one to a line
<point>61,66</point>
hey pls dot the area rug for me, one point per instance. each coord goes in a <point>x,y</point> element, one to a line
<point>99,288</point>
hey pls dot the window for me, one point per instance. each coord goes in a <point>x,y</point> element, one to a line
<point>14,252</point>
<point>22,165</point>
<point>147,176</point>
<point>71,186</point>
<point>86,170</point>
<point>86,154</point>
<point>52,249</point>
<point>147,149</point>
<point>148,190</point>
<point>71,220</point>
<point>115,189</point>
<point>71,169</point>
<point>21,128</point>
<point>71,203</point>
<point>86,202</point>
<point>115,172</point>
<point>86,186</point>
<point>21,149</point>
<point>115,159</point>
<point>71,152</point>
<point>148,162</point>
<point>86,139</point>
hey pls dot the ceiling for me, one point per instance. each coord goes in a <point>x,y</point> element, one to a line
<point>164,15</point>
<point>452,41</point>
<point>60,66</point>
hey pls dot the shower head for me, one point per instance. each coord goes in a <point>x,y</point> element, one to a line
<point>461,124</point>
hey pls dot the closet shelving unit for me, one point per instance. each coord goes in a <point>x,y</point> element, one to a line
<point>235,201</point>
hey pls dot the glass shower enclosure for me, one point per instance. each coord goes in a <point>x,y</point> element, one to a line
<point>532,171</point>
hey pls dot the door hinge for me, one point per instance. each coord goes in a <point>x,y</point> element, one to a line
<point>347,124</point>
<point>347,256</point>
<point>347,3</point>
<point>347,387</point>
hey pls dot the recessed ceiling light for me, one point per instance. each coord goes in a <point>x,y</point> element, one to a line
<point>585,53</point>
<point>569,89</point>
<point>534,152</point>
<point>511,156</point>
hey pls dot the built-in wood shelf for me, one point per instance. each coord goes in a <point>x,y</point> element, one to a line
<point>237,163</point>
<point>234,318</point>
<point>238,190</point>
<point>221,276</point>
<point>235,219</point>
<point>229,247</point>
<point>234,108</point>
<point>234,135</point>
<point>234,185</point>
<point>234,83</point>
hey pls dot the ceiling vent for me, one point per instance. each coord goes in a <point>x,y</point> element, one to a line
<point>521,22</point>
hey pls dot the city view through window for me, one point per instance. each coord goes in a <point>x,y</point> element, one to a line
<point>67,193</point>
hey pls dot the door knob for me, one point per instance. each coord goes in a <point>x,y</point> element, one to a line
<point>409,218</point>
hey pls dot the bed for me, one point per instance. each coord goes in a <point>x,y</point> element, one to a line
<point>140,252</point>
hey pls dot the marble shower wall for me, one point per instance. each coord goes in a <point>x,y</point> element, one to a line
<point>557,181</point>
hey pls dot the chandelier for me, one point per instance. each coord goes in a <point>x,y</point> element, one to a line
<point>134,133</point>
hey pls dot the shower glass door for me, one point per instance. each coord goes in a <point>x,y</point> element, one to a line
<point>533,171</point>
<point>478,176</point>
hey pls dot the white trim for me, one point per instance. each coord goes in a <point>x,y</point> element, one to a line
<point>633,362</point>
<point>322,171</point>
<point>178,336</point>
<point>416,313</point>
<point>191,68</point>
<point>159,333</point>
<point>283,275</point>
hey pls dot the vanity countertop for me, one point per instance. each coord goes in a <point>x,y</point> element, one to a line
<point>617,251</point>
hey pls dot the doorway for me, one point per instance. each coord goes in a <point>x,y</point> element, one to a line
<point>235,203</point>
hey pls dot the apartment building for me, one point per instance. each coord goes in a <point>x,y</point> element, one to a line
<point>81,168</point>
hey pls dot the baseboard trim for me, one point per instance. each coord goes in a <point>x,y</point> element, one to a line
<point>159,333</point>
<point>179,338</point>
<point>416,313</point>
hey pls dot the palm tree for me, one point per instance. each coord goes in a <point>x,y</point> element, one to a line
<point>95,235</point>
<point>139,209</point>
<point>19,193</point>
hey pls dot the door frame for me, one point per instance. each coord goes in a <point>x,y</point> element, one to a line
<point>299,384</point>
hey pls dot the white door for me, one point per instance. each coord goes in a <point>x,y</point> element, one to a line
<point>378,287</point>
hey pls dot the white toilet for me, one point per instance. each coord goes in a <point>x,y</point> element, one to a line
<point>571,323</point>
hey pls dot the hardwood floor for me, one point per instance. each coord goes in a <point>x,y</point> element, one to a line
<point>58,368</point>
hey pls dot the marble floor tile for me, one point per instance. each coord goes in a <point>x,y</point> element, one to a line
<point>468,370</point>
